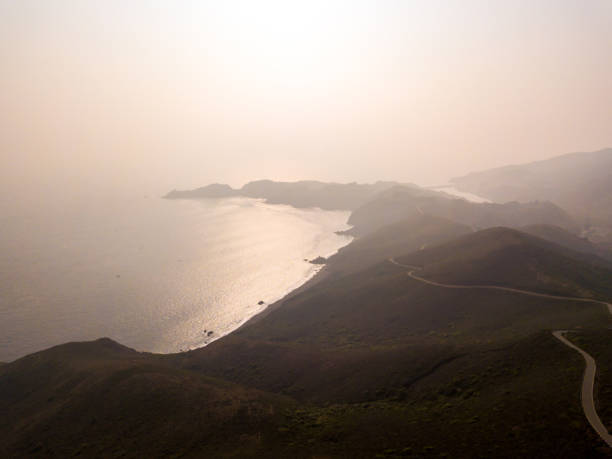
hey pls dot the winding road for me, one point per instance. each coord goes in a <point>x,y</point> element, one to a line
<point>588,381</point>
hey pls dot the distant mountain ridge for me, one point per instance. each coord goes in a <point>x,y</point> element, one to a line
<point>377,205</point>
<point>305,193</point>
<point>398,203</point>
<point>581,183</point>
<point>564,238</point>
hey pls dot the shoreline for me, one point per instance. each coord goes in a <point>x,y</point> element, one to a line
<point>318,277</point>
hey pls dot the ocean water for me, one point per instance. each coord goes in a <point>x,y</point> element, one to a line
<point>156,275</point>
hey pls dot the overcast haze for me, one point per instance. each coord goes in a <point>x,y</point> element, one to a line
<point>155,95</point>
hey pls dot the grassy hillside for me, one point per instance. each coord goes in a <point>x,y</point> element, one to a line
<point>502,256</point>
<point>562,237</point>
<point>493,403</point>
<point>500,402</point>
<point>103,399</point>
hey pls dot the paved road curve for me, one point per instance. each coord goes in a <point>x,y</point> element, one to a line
<point>588,381</point>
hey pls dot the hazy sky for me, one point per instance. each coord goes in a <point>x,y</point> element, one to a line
<point>163,94</point>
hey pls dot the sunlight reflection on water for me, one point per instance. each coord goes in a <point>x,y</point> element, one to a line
<point>153,274</point>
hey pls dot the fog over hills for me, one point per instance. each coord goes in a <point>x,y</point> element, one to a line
<point>581,183</point>
<point>394,204</point>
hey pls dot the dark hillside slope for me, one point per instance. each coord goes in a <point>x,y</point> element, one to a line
<point>400,203</point>
<point>148,412</point>
<point>503,256</point>
<point>565,238</point>
<point>101,399</point>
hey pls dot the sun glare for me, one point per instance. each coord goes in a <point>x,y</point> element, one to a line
<point>288,44</point>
